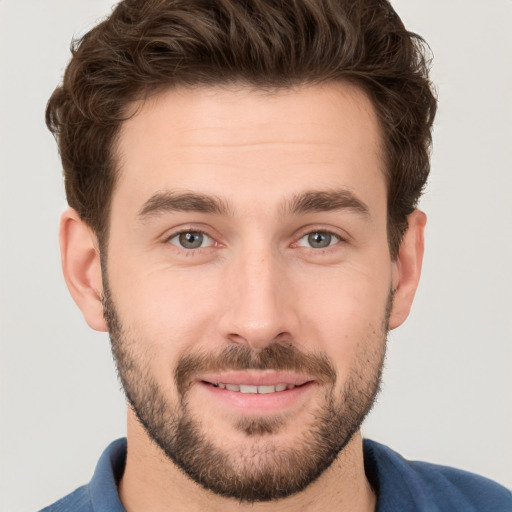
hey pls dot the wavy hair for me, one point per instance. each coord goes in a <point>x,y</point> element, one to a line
<point>145,46</point>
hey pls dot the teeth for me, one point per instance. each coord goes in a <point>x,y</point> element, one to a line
<point>246,388</point>
<point>267,389</point>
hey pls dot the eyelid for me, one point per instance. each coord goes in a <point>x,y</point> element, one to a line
<point>337,239</point>
<point>201,228</point>
<point>339,233</point>
<point>178,233</point>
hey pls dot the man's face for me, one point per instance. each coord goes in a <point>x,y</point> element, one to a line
<point>248,280</point>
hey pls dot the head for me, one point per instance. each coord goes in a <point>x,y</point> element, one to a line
<point>148,46</point>
<point>243,180</point>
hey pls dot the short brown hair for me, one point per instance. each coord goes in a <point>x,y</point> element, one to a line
<point>146,46</point>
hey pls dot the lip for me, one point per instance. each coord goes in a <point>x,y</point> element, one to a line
<point>256,404</point>
<point>256,378</point>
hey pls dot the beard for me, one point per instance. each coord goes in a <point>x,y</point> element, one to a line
<point>260,470</point>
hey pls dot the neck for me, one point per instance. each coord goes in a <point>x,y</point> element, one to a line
<point>153,483</point>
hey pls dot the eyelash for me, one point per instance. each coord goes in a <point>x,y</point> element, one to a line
<point>337,239</point>
<point>329,234</point>
<point>192,232</point>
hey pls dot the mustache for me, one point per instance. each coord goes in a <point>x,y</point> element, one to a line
<point>277,356</point>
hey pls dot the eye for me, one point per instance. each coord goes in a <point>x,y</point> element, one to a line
<point>191,240</point>
<point>318,240</point>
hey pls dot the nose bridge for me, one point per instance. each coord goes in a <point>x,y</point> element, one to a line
<point>256,308</point>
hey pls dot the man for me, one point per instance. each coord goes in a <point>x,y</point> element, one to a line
<point>243,180</point>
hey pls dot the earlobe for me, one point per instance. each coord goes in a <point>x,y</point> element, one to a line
<point>407,268</point>
<point>81,266</point>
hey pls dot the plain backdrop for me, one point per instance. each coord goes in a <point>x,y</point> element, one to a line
<point>448,379</point>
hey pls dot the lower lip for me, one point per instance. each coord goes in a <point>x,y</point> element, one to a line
<point>258,403</point>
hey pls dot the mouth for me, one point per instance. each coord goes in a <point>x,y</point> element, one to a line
<point>256,381</point>
<point>257,391</point>
<point>252,389</point>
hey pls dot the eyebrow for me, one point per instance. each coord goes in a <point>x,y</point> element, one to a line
<point>324,201</point>
<point>306,202</point>
<point>166,202</point>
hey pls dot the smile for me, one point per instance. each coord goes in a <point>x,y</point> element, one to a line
<point>247,388</point>
<point>256,392</point>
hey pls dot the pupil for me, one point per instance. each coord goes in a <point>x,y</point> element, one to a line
<point>319,240</point>
<point>191,240</point>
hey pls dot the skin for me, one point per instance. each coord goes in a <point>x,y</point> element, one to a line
<point>257,281</point>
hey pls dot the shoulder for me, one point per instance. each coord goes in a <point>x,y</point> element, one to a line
<point>77,501</point>
<point>424,486</point>
<point>462,487</point>
<point>100,494</point>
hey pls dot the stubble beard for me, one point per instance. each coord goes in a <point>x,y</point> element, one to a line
<point>260,470</point>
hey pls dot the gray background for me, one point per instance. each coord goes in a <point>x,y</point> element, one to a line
<point>448,379</point>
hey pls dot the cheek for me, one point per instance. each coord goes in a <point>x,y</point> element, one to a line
<point>167,311</point>
<point>345,314</point>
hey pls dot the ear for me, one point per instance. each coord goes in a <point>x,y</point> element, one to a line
<point>81,266</point>
<point>407,268</point>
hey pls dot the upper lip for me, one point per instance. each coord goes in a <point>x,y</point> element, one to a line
<point>256,378</point>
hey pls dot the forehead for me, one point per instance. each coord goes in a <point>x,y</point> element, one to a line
<point>231,140</point>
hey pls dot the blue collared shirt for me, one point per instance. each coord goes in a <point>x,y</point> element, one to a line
<point>401,485</point>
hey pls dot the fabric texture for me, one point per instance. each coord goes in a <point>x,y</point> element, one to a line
<point>401,485</point>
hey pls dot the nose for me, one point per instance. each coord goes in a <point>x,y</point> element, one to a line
<point>258,307</point>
